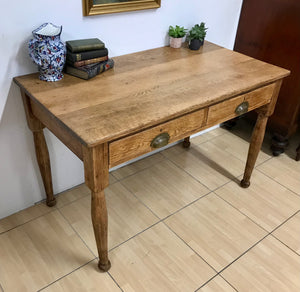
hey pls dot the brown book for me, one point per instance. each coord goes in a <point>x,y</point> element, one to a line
<point>87,62</point>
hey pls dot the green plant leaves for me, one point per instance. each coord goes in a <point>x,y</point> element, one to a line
<point>197,32</point>
<point>177,31</point>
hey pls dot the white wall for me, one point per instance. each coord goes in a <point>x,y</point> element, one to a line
<point>20,181</point>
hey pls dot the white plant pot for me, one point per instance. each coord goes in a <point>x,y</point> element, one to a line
<point>175,42</point>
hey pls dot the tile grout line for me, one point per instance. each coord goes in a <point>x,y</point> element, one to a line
<point>205,283</point>
<point>139,200</point>
<point>190,247</point>
<point>95,256</point>
<point>259,164</point>
<point>242,213</point>
<point>128,239</point>
<point>211,190</point>
<point>256,164</point>
<point>162,219</point>
<point>181,168</point>
<point>228,283</point>
<point>65,275</point>
<point>278,182</point>
<point>235,179</point>
<point>111,173</point>
<point>242,254</point>
<point>285,221</point>
<point>51,209</point>
<point>264,161</point>
<point>19,225</point>
<point>248,142</point>
<point>132,174</point>
<point>88,194</point>
<point>189,204</point>
<point>114,281</point>
<point>196,144</point>
<point>67,204</point>
<point>269,234</point>
<point>217,275</point>
<point>156,223</point>
<point>285,244</point>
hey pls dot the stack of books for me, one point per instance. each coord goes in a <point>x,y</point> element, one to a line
<point>87,58</point>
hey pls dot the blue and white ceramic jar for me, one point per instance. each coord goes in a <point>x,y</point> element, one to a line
<point>48,51</point>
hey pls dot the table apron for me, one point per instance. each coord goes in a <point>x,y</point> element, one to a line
<point>132,146</point>
<point>60,131</point>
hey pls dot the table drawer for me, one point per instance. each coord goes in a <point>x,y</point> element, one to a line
<point>143,142</point>
<point>239,105</point>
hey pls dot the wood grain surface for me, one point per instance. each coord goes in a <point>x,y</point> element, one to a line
<point>226,110</point>
<point>146,89</point>
<point>136,145</point>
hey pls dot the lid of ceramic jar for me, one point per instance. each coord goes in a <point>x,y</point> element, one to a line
<point>48,29</point>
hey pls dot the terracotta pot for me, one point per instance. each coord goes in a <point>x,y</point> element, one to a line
<point>175,42</point>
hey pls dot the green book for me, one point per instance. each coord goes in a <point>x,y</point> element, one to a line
<point>82,45</point>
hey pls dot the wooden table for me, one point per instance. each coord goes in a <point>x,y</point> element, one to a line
<point>150,99</point>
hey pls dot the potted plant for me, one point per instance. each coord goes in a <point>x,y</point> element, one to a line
<point>176,34</point>
<point>196,36</point>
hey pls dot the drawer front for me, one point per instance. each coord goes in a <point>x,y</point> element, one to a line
<point>141,143</point>
<point>226,110</point>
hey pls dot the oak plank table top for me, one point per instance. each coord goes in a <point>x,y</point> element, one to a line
<point>144,91</point>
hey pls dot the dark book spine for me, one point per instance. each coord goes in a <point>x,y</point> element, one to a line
<point>89,71</point>
<point>104,66</point>
<point>75,57</point>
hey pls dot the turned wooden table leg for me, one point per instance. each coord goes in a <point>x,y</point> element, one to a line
<point>99,219</point>
<point>258,134</point>
<point>41,149</point>
<point>42,155</point>
<point>254,148</point>
<point>186,142</point>
<point>96,178</point>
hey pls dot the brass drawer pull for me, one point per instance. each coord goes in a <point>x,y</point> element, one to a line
<point>160,140</point>
<point>242,108</point>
